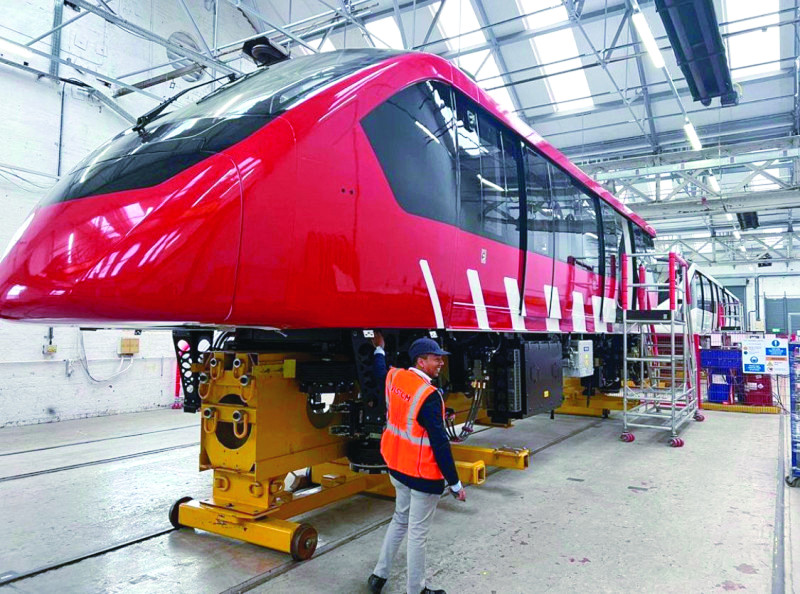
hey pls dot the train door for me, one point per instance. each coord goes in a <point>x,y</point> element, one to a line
<point>626,247</point>
<point>488,260</point>
<point>577,247</point>
<point>612,248</point>
<point>407,209</point>
<point>704,304</point>
<point>542,301</point>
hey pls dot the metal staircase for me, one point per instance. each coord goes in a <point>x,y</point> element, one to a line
<point>659,371</point>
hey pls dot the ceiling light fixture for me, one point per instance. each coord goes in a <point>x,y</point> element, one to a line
<point>691,134</point>
<point>647,38</point>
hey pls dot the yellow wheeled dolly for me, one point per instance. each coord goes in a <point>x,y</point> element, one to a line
<point>257,427</point>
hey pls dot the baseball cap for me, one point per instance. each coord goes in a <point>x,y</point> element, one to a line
<point>424,346</point>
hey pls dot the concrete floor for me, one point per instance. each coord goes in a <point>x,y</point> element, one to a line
<point>591,514</point>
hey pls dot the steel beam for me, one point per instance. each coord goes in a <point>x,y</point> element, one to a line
<point>432,26</point>
<point>693,159</point>
<point>736,131</point>
<point>654,97</point>
<point>400,26</point>
<point>483,19</point>
<point>732,203</point>
<point>645,91</point>
<point>113,105</point>
<point>150,36</point>
<point>82,69</point>
<point>589,17</point>
<point>56,28</point>
<point>604,65</point>
<point>252,11</point>
<point>196,28</point>
<point>346,14</point>
<point>608,172</point>
<point>613,45</point>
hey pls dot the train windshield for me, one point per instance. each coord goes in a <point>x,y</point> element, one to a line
<point>276,88</point>
<point>179,139</point>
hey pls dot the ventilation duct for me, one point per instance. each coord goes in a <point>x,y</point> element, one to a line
<point>693,32</point>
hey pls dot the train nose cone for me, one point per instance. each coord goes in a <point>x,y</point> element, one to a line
<point>166,253</point>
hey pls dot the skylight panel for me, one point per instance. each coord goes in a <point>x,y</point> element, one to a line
<point>386,32</point>
<point>501,95</point>
<point>568,90</point>
<point>760,47</point>
<point>458,16</point>
<point>327,46</point>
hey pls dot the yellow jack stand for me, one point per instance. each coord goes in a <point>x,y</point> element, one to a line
<point>257,428</point>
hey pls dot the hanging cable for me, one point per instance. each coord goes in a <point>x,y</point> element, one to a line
<point>85,363</point>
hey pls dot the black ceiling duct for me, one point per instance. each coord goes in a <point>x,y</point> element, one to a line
<point>747,220</point>
<point>693,31</point>
<point>264,52</point>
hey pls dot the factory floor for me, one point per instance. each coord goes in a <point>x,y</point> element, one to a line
<point>86,503</point>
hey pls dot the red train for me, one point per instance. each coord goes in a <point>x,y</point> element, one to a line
<point>333,192</point>
<point>355,189</point>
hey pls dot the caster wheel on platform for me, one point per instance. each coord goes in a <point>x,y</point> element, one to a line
<point>627,437</point>
<point>304,542</point>
<point>606,413</point>
<point>793,481</point>
<point>699,417</point>
<point>173,512</point>
<point>676,442</point>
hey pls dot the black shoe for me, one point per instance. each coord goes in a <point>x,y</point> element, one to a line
<point>376,584</point>
<point>429,591</point>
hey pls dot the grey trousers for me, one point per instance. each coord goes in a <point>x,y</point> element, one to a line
<point>413,514</point>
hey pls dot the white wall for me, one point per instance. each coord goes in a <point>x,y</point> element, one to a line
<point>37,388</point>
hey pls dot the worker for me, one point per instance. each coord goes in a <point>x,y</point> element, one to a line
<point>417,452</point>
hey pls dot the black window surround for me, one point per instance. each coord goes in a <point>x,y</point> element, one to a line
<point>434,142</point>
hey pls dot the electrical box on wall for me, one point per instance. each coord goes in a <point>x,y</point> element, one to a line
<point>581,359</point>
<point>49,349</point>
<point>128,347</point>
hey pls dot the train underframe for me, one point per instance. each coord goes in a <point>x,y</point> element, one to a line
<point>291,421</point>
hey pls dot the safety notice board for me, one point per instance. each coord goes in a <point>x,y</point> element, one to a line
<point>765,354</point>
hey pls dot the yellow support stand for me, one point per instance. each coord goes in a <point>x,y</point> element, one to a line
<point>257,427</point>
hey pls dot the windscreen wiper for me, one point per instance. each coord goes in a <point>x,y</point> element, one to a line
<point>145,119</point>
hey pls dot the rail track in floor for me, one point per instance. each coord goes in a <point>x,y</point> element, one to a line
<point>77,443</point>
<point>15,477</point>
<point>10,577</point>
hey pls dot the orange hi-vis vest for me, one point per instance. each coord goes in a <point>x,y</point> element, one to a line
<point>404,444</point>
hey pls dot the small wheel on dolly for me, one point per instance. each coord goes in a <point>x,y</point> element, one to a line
<point>606,413</point>
<point>627,437</point>
<point>699,417</point>
<point>173,512</point>
<point>793,481</point>
<point>304,542</point>
<point>676,442</point>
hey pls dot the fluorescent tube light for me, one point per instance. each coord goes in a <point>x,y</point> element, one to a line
<point>736,234</point>
<point>729,215</point>
<point>647,38</point>
<point>712,181</point>
<point>490,184</point>
<point>426,131</point>
<point>691,134</point>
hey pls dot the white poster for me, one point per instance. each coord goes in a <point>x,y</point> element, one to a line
<point>765,354</point>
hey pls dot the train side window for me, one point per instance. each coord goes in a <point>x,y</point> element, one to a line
<point>576,223</point>
<point>489,192</point>
<point>611,239</point>
<point>538,201</point>
<point>412,134</point>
